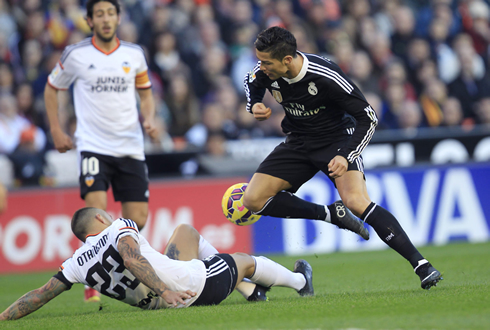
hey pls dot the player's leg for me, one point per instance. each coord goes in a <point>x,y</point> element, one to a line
<point>136,211</point>
<point>287,169</point>
<point>353,191</point>
<point>130,187</point>
<point>268,273</point>
<point>186,244</point>
<point>96,199</point>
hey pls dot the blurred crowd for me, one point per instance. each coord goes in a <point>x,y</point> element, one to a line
<point>419,64</point>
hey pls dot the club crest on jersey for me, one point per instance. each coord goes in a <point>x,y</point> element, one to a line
<point>277,95</point>
<point>126,67</point>
<point>89,180</point>
<point>312,88</point>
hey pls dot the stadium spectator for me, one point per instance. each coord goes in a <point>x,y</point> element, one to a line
<point>437,9</point>
<point>479,28</point>
<point>182,105</point>
<point>22,142</point>
<point>242,56</point>
<point>361,72</point>
<point>128,32</point>
<point>410,117</point>
<point>380,51</point>
<point>452,113</point>
<point>404,24</point>
<point>426,71</point>
<point>8,26</point>
<point>467,88</point>
<point>418,52</point>
<point>431,101</point>
<point>483,111</point>
<point>156,281</point>
<point>25,102</point>
<point>213,120</point>
<point>463,43</point>
<point>445,57</point>
<point>7,84</point>
<point>166,60</point>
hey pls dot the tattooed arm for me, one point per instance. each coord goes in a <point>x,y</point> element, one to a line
<point>33,300</point>
<point>139,266</point>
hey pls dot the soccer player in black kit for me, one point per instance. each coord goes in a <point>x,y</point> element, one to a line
<point>328,123</point>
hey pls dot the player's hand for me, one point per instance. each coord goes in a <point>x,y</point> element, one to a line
<point>173,297</point>
<point>62,142</point>
<point>337,166</point>
<point>261,112</point>
<point>151,129</point>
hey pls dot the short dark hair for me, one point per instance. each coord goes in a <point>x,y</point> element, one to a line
<point>80,220</point>
<point>277,41</point>
<point>91,4</point>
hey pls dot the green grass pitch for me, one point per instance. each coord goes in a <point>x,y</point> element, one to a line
<point>365,290</point>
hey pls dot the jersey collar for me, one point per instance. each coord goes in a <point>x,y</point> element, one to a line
<point>302,72</point>
<point>103,51</point>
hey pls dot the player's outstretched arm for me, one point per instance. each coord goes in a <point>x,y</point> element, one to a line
<point>139,266</point>
<point>33,300</point>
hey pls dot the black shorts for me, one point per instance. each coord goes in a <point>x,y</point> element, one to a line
<point>127,176</point>
<point>299,158</point>
<point>221,278</point>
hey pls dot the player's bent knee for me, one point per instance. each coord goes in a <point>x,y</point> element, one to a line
<point>187,230</point>
<point>243,261</point>
<point>252,203</point>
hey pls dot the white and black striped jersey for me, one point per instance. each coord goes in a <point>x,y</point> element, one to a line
<point>320,102</point>
<point>99,265</point>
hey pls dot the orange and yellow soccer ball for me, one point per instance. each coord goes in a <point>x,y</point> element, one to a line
<point>233,209</point>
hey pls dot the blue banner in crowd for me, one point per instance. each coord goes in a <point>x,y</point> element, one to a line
<point>435,205</point>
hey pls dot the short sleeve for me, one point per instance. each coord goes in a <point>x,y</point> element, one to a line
<point>62,76</point>
<point>67,273</point>
<point>126,227</point>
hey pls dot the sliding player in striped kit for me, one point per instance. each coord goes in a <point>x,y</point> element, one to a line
<point>328,123</point>
<point>118,261</point>
<point>105,73</point>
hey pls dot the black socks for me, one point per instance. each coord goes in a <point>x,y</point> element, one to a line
<point>390,231</point>
<point>287,205</point>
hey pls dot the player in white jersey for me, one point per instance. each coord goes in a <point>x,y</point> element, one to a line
<point>105,72</point>
<point>118,261</point>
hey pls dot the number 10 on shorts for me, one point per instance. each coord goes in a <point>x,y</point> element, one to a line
<point>90,165</point>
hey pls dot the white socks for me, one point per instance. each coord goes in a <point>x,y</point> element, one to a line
<point>269,273</point>
<point>205,249</point>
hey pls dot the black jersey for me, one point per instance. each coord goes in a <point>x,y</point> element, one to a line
<point>321,102</point>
